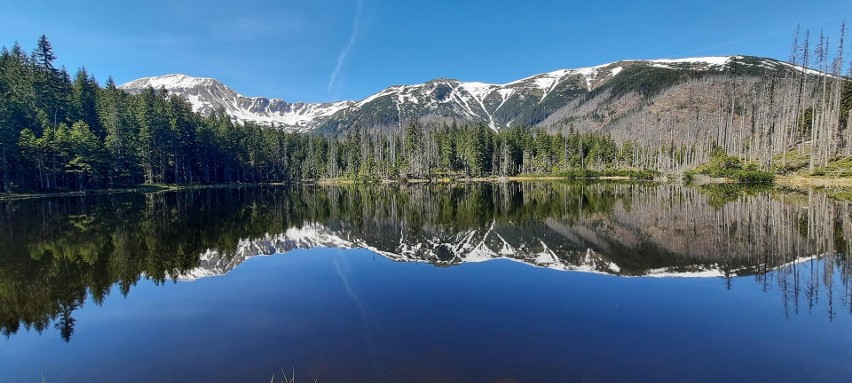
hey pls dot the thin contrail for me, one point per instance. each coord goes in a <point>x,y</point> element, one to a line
<point>351,292</point>
<point>367,335</point>
<point>356,25</point>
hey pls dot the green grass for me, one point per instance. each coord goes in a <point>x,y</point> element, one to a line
<point>837,168</point>
<point>722,165</point>
<point>795,162</point>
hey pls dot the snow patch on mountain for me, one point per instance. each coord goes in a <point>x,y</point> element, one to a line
<point>207,95</point>
<point>439,99</point>
<point>479,90</point>
<point>715,61</point>
<point>170,81</point>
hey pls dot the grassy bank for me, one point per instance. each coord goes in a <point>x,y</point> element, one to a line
<point>800,180</point>
<point>439,180</point>
<point>841,186</point>
<point>448,180</point>
<point>324,181</point>
<point>574,174</point>
<point>833,178</point>
<point>836,187</point>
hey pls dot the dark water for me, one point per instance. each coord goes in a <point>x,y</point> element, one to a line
<point>533,282</point>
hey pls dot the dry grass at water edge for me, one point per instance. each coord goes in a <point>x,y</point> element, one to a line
<point>284,378</point>
<point>827,182</point>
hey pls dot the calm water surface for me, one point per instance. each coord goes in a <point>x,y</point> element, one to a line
<point>532,282</point>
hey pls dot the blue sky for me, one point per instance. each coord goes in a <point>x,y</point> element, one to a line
<point>320,50</point>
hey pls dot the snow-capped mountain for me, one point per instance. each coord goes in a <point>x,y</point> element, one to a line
<point>207,95</point>
<point>529,101</point>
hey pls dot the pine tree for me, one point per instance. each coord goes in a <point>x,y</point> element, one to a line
<point>114,116</point>
<point>86,158</point>
<point>84,101</point>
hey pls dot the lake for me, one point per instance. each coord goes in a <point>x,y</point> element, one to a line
<point>513,282</point>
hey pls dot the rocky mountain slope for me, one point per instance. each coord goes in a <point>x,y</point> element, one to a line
<point>591,98</point>
<point>207,95</point>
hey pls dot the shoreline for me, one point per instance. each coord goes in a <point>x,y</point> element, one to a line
<point>448,180</point>
<point>136,189</point>
<point>835,187</point>
<point>324,182</point>
<point>822,182</point>
<point>794,182</point>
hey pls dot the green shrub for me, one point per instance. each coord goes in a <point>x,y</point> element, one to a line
<point>722,165</point>
<point>753,177</point>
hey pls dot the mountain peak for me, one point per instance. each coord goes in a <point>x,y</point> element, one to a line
<point>208,95</point>
<point>539,99</point>
<point>170,82</point>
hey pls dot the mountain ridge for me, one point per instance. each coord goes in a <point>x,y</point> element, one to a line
<point>529,101</point>
<point>208,95</point>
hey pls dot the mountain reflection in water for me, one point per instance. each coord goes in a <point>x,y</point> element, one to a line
<point>56,253</point>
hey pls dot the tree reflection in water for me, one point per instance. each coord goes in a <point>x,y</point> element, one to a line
<point>56,253</point>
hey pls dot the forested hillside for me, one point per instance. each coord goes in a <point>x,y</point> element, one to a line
<point>62,132</point>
